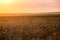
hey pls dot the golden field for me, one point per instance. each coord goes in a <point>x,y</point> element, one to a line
<point>30,28</point>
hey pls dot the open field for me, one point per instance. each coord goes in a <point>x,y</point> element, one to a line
<point>30,28</point>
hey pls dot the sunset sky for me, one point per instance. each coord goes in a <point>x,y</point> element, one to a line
<point>29,6</point>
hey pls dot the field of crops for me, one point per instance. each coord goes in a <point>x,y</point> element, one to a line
<point>30,28</point>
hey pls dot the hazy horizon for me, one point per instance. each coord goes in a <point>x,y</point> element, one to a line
<point>31,14</point>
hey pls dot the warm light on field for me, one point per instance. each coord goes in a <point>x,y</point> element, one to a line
<point>5,1</point>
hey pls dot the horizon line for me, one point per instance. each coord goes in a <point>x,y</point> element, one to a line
<point>32,14</point>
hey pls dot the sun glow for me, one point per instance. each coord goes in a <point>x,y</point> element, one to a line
<point>5,1</point>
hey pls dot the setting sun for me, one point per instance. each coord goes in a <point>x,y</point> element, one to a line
<point>5,1</point>
<point>29,6</point>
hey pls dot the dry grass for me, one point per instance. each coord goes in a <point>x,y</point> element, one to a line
<point>30,28</point>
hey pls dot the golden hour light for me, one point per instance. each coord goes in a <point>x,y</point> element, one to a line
<point>5,1</point>
<point>29,6</point>
<point>29,19</point>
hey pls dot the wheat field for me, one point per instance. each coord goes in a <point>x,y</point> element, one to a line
<point>30,28</point>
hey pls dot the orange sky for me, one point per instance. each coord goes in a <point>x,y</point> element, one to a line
<point>30,6</point>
